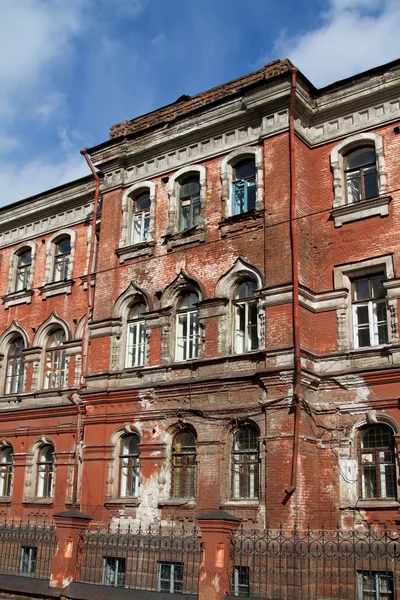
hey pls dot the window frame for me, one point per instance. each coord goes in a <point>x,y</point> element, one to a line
<point>172,580</point>
<point>15,363</point>
<point>240,186</point>
<point>128,198</point>
<point>51,355</point>
<point>245,303</point>
<point>187,456</point>
<point>142,215</point>
<point>133,468</point>
<point>62,259</point>
<point>174,213</point>
<point>371,303</point>
<point>25,269</point>
<point>118,573</point>
<point>380,477</point>
<point>6,472</point>
<point>192,200</point>
<point>237,586</point>
<point>228,164</point>
<point>241,466</point>
<point>136,328</point>
<point>377,575</point>
<point>45,489</point>
<point>28,561</point>
<point>348,171</point>
<point>187,346</point>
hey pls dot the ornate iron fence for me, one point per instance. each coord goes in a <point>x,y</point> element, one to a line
<point>321,564</point>
<point>27,549</point>
<point>150,559</point>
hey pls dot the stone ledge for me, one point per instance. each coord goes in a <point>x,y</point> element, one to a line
<point>55,288</point>
<point>125,502</point>
<point>135,250</point>
<point>194,235</point>
<point>14,298</point>
<point>361,210</point>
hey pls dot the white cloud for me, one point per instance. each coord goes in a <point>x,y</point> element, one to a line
<point>353,36</point>
<point>21,181</point>
<point>53,104</point>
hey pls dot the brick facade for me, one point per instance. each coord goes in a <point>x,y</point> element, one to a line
<point>220,391</point>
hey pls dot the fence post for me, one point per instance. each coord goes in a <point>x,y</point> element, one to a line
<point>68,525</point>
<point>217,566</point>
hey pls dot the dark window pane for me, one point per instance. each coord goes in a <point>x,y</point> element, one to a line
<point>360,157</point>
<point>377,289</point>
<point>143,202</point>
<point>370,183</point>
<point>246,169</point>
<point>361,289</point>
<point>363,338</point>
<point>362,315</point>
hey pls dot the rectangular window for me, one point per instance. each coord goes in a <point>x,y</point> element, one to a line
<point>140,229</point>
<point>170,577</point>
<point>241,581</point>
<point>375,585</point>
<point>369,312</point>
<point>136,344</point>
<point>114,571</point>
<point>28,559</point>
<point>188,335</point>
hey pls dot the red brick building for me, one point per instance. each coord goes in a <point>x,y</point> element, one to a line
<point>238,346</point>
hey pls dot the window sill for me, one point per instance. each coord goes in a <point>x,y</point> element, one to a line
<point>56,288</point>
<point>361,210</point>
<point>242,503</point>
<point>379,504</point>
<point>134,501</point>
<point>183,502</point>
<point>247,220</point>
<point>5,499</point>
<point>40,501</point>
<point>194,235</point>
<point>134,250</point>
<point>14,298</point>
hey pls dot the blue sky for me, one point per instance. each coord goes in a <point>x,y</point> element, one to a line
<point>70,69</point>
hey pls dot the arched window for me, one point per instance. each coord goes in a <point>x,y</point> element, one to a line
<point>361,174</point>
<point>183,484</point>
<point>45,471</point>
<point>62,257</point>
<point>136,337</point>
<point>140,218</point>
<point>15,367</point>
<point>54,368</point>
<point>23,270</point>
<point>377,463</point>
<point>189,202</point>
<point>245,464</point>
<point>246,338</point>
<point>244,186</point>
<point>129,466</point>
<point>6,470</point>
<point>187,328</point>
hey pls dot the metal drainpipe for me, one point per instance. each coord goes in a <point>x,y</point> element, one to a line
<point>295,278</point>
<point>89,306</point>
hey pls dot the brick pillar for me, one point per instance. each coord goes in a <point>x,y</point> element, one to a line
<point>217,566</point>
<point>66,558</point>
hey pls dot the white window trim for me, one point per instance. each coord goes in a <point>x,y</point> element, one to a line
<point>174,188</point>
<point>227,166</point>
<point>30,483</point>
<point>41,338</point>
<point>343,276</point>
<point>12,275</point>
<point>343,212</point>
<point>127,212</point>
<point>50,255</point>
<point>113,469</point>
<point>225,288</point>
<point>6,339</point>
<point>140,326</point>
<point>190,314</point>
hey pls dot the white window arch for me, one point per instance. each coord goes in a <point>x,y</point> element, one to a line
<point>52,370</point>
<point>21,273</point>
<point>138,214</point>
<point>187,199</point>
<point>246,328</point>
<point>45,471</point>
<point>359,178</point>
<point>129,465</point>
<point>60,252</point>
<point>6,470</point>
<point>242,178</point>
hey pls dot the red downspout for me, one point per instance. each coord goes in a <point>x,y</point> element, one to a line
<point>89,306</point>
<point>295,278</point>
